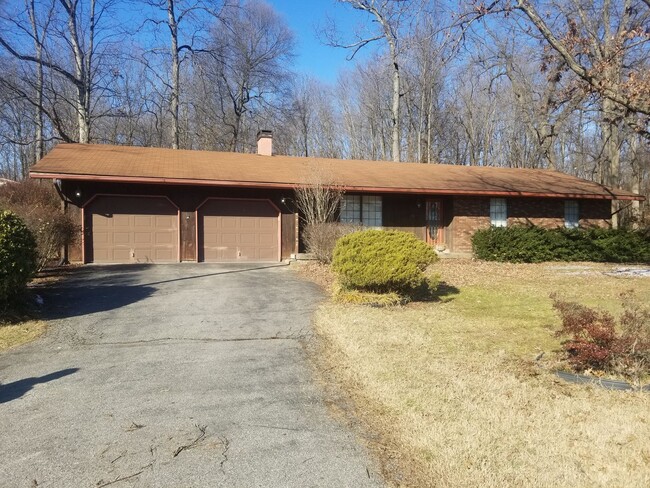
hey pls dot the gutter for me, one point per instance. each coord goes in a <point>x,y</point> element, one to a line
<point>280,186</point>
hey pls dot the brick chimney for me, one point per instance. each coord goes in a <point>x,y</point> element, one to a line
<point>265,143</point>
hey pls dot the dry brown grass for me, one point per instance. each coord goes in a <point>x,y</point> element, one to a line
<point>16,334</point>
<point>22,326</point>
<point>453,392</point>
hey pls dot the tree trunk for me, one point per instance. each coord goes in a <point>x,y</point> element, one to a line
<point>174,102</point>
<point>396,102</point>
<point>82,62</point>
<point>38,47</point>
<point>610,163</point>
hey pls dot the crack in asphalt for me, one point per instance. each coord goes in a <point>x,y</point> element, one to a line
<point>224,454</point>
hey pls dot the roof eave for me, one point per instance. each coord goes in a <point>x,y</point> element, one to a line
<point>281,186</point>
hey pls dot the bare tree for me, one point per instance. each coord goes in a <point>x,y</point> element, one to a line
<point>187,23</point>
<point>319,199</point>
<point>598,44</point>
<point>39,33</point>
<point>77,33</point>
<point>310,123</point>
<point>389,15</point>
<point>245,64</point>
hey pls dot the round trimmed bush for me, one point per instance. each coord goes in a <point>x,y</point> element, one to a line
<point>18,257</point>
<point>382,261</point>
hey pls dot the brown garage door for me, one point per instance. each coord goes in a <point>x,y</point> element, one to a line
<point>238,230</point>
<point>132,230</point>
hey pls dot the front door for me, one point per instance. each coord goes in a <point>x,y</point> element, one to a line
<point>435,231</point>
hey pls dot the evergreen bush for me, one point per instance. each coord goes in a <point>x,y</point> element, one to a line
<point>18,258</point>
<point>383,262</point>
<point>519,244</point>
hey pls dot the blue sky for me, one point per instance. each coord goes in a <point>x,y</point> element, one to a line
<point>313,57</point>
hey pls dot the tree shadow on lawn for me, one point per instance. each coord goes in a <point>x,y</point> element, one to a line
<point>16,389</point>
<point>444,292</point>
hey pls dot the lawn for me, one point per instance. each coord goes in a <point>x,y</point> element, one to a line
<point>23,325</point>
<point>12,335</point>
<point>451,394</point>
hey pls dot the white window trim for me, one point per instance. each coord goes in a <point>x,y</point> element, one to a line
<point>503,221</point>
<point>567,211</point>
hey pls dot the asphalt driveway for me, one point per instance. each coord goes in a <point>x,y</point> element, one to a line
<point>177,375</point>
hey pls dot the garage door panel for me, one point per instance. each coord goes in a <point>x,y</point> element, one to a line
<point>101,237</point>
<point>248,223</point>
<point>245,230</point>
<point>119,238</point>
<point>163,255</point>
<point>143,221</point>
<point>117,220</point>
<point>165,221</point>
<point>118,256</point>
<point>133,229</point>
<point>267,256</point>
<point>227,222</point>
<point>143,238</point>
<point>247,239</point>
<point>101,255</point>
<point>227,239</point>
<point>267,225</point>
<point>164,238</point>
<point>227,254</point>
<point>267,240</point>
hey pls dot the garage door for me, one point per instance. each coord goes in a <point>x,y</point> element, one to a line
<point>132,230</point>
<point>238,230</point>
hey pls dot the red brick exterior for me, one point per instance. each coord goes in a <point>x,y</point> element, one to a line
<point>469,215</point>
<point>473,213</point>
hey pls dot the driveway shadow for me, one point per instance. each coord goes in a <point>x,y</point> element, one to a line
<point>94,289</point>
<point>222,272</point>
<point>71,301</point>
<point>13,391</point>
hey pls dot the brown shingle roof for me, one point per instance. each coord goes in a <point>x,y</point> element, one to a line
<point>154,165</point>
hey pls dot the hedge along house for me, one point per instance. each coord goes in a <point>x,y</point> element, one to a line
<point>140,204</point>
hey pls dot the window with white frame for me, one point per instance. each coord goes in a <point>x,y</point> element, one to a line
<point>362,209</point>
<point>498,212</point>
<point>571,214</point>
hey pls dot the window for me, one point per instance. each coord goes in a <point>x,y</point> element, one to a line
<point>362,209</point>
<point>571,214</point>
<point>498,212</point>
<point>351,209</point>
<point>371,211</point>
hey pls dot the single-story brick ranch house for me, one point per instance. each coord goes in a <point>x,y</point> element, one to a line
<point>140,204</point>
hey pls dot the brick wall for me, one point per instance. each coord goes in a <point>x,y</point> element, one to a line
<point>469,215</point>
<point>473,213</point>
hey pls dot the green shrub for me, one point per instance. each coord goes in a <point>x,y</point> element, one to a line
<point>521,244</point>
<point>382,261</point>
<point>18,258</point>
